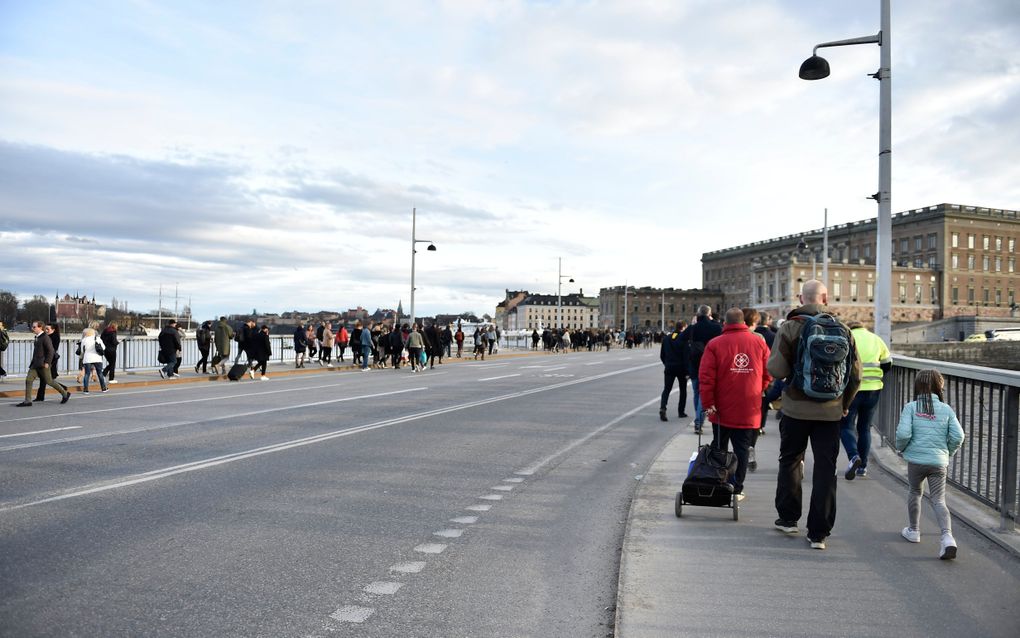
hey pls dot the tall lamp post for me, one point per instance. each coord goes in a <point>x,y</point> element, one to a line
<point>817,68</point>
<point>414,242</point>
<point>559,286</point>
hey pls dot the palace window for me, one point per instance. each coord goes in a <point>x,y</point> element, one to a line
<point>955,240</point>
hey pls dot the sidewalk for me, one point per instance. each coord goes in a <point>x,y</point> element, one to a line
<point>707,575</point>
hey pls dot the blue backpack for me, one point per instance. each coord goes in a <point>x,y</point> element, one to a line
<point>825,357</point>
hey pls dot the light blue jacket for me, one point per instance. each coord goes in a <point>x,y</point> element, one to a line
<point>929,439</point>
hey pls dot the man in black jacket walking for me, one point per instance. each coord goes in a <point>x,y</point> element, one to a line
<point>42,357</point>
<point>697,336</point>
<point>169,346</point>
<point>673,354</point>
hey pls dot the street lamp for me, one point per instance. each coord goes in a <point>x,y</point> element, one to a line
<point>816,68</point>
<point>414,242</point>
<point>559,286</point>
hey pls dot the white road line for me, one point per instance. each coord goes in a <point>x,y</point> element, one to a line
<point>505,376</point>
<point>166,403</point>
<point>534,468</point>
<point>449,533</point>
<point>352,613</point>
<point>411,567</point>
<point>492,497</point>
<point>513,480</point>
<point>556,368</point>
<point>503,488</point>
<point>383,588</point>
<point>197,421</point>
<point>319,438</point>
<point>490,365</point>
<point>430,548</point>
<point>595,363</point>
<point>465,520</point>
<point>72,427</point>
<point>478,508</point>
<point>524,472</point>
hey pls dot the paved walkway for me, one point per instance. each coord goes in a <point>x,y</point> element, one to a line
<point>706,575</point>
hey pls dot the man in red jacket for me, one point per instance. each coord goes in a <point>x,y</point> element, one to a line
<point>731,380</point>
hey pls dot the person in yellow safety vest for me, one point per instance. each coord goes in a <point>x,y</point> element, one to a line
<point>855,429</point>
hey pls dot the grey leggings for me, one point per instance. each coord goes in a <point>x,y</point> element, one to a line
<point>916,474</point>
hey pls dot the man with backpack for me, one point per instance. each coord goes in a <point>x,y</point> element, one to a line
<point>816,356</point>
<point>697,336</point>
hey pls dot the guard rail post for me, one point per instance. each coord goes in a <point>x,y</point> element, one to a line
<point>1008,480</point>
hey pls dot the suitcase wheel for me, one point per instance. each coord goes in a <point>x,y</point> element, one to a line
<point>679,508</point>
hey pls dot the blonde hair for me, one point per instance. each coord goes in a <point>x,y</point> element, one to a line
<point>926,383</point>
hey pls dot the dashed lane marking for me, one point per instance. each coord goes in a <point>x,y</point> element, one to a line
<point>492,497</point>
<point>352,613</point>
<point>72,427</point>
<point>410,567</point>
<point>505,376</point>
<point>502,488</point>
<point>449,533</point>
<point>465,520</point>
<point>383,588</point>
<point>478,508</point>
<point>430,548</point>
<point>513,480</point>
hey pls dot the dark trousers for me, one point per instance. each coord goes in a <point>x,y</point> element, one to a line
<point>741,439</point>
<point>204,361</point>
<point>111,363</point>
<point>261,364</point>
<point>794,436</point>
<point>43,374</point>
<point>669,377</point>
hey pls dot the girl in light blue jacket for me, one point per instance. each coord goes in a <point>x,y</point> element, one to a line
<point>928,435</point>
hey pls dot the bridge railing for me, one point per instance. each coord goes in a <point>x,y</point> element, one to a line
<point>987,402</point>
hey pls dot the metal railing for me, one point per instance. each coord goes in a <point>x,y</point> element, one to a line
<point>987,403</point>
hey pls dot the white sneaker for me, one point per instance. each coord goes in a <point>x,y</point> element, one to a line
<point>114,381</point>
<point>329,365</point>
<point>263,378</point>
<point>912,535</point>
<point>251,373</point>
<point>947,550</point>
<point>741,496</point>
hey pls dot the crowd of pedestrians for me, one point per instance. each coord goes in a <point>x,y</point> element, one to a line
<point>827,378</point>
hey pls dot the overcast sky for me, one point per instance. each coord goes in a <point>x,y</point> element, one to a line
<point>268,154</point>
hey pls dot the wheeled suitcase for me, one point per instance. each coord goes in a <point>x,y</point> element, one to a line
<point>237,371</point>
<point>708,481</point>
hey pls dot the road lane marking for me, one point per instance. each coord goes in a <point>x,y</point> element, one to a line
<point>449,533</point>
<point>352,613</point>
<point>410,567</point>
<point>478,508</point>
<point>71,427</point>
<point>150,428</point>
<point>287,445</point>
<point>595,363</point>
<point>430,548</point>
<point>492,497</point>
<point>513,480</point>
<point>505,376</point>
<point>503,488</point>
<point>166,403</point>
<point>383,588</point>
<point>537,466</point>
<point>556,368</point>
<point>465,520</point>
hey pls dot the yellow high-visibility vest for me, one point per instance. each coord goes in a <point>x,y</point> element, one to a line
<point>872,352</point>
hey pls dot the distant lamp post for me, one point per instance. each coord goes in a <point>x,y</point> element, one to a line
<point>414,242</point>
<point>559,287</point>
<point>817,68</point>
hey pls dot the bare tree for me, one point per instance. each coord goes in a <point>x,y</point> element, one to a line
<point>35,309</point>
<point>8,307</point>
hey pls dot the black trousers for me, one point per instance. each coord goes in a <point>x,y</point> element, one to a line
<point>111,363</point>
<point>741,439</point>
<point>204,361</point>
<point>794,436</point>
<point>670,375</point>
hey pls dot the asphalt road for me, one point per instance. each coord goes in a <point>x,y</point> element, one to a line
<point>478,499</point>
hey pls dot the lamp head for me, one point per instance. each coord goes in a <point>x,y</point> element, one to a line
<point>431,247</point>
<point>802,245</point>
<point>570,281</point>
<point>814,68</point>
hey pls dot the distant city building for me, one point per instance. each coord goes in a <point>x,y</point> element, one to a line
<point>645,306</point>
<point>535,312</point>
<point>509,303</point>
<point>948,260</point>
<point>78,308</point>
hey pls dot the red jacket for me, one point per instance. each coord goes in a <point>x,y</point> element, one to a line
<point>733,376</point>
